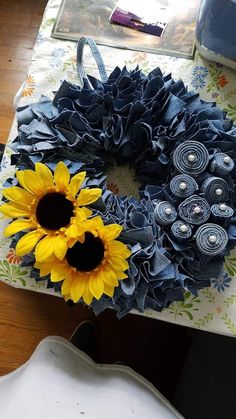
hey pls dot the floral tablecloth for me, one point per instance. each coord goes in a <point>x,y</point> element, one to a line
<point>214,309</point>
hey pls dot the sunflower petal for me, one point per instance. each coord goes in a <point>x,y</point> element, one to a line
<point>96,223</point>
<point>111,231</point>
<point>80,239</point>
<point>44,248</point>
<point>87,196</point>
<point>76,230</point>
<point>108,290</point>
<point>96,285</point>
<point>59,272</point>
<point>17,226</point>
<point>61,176</point>
<point>82,214</point>
<point>109,277</point>
<point>76,183</point>
<point>45,174</point>
<point>27,243</point>
<point>87,295</point>
<point>66,286</point>
<point>118,264</point>
<point>121,275</point>
<point>60,247</point>
<point>77,287</point>
<point>31,181</point>
<point>17,194</point>
<point>72,231</point>
<point>44,268</point>
<point>117,248</point>
<point>52,259</point>
<point>14,210</point>
<point>67,297</point>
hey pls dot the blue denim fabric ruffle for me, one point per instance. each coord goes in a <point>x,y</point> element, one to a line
<point>183,151</point>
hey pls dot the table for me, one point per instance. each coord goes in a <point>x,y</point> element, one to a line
<point>214,309</point>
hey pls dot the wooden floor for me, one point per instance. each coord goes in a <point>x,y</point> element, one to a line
<point>27,317</point>
<point>19,24</point>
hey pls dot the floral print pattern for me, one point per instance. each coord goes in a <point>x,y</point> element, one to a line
<point>217,79</point>
<point>200,74</point>
<point>214,309</point>
<point>56,57</point>
<point>200,71</point>
<point>12,257</point>
<point>29,86</point>
<point>198,82</point>
<point>222,282</point>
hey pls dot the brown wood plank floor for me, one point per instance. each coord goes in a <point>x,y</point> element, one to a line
<point>19,25</point>
<point>27,317</point>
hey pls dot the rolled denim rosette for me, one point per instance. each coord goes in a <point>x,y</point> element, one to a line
<point>222,212</point>
<point>222,164</point>
<point>183,186</point>
<point>194,210</point>
<point>181,230</point>
<point>191,157</point>
<point>211,239</point>
<point>165,213</point>
<point>215,190</point>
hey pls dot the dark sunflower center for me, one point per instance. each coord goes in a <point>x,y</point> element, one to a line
<point>88,255</point>
<point>54,211</point>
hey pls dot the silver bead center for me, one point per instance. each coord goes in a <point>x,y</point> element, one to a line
<point>212,238</point>
<point>168,211</point>
<point>182,186</point>
<point>227,159</point>
<point>191,158</point>
<point>222,207</point>
<point>218,192</point>
<point>183,228</point>
<point>197,210</point>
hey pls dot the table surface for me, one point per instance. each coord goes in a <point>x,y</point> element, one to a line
<point>54,60</point>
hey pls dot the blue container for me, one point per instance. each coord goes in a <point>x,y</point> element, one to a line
<point>216,31</point>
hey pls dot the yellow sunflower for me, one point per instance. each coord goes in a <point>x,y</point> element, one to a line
<point>46,204</point>
<point>94,262</point>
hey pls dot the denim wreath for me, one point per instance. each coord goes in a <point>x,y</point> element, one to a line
<point>183,151</point>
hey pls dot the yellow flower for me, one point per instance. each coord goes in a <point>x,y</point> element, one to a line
<point>46,204</point>
<point>94,262</point>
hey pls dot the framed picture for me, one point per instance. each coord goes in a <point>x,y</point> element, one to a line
<point>78,18</point>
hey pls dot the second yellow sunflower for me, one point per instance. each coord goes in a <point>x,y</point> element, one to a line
<point>94,262</point>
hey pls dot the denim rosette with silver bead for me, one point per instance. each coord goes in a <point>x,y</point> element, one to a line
<point>194,210</point>
<point>181,230</point>
<point>222,212</point>
<point>215,189</point>
<point>182,150</point>
<point>222,164</point>
<point>191,157</point>
<point>183,186</point>
<point>211,239</point>
<point>165,213</point>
